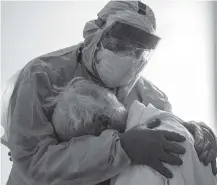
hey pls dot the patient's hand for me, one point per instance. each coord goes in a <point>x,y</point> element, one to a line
<point>205,143</point>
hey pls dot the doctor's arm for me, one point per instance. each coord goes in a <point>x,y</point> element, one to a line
<point>38,155</point>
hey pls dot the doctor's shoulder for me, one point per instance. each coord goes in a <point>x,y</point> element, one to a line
<point>60,64</point>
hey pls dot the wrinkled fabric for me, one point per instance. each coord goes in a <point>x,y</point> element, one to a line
<point>39,157</point>
<point>191,172</point>
<point>6,92</point>
<point>113,7</point>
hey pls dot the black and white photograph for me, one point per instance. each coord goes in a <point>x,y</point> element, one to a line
<point>107,92</point>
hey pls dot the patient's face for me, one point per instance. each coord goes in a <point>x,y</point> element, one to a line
<point>89,109</point>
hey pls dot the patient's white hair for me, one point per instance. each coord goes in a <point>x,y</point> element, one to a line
<point>85,108</point>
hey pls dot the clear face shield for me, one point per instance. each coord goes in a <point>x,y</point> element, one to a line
<point>123,51</point>
<point>124,39</point>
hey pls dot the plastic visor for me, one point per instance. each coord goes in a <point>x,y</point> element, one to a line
<point>130,35</point>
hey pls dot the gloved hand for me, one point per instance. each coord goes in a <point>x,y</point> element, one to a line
<point>152,147</point>
<point>205,143</point>
<point>153,124</point>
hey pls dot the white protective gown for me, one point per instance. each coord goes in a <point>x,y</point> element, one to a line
<point>191,172</point>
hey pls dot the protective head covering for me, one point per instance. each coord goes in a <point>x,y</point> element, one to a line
<point>84,108</point>
<point>121,53</point>
<point>107,42</point>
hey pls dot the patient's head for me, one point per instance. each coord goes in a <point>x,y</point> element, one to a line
<point>84,108</point>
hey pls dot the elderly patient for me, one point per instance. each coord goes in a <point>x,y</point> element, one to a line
<point>84,108</point>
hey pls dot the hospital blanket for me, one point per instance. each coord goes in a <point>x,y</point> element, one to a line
<point>191,172</point>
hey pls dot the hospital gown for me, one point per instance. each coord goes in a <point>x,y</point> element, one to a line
<point>191,172</point>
